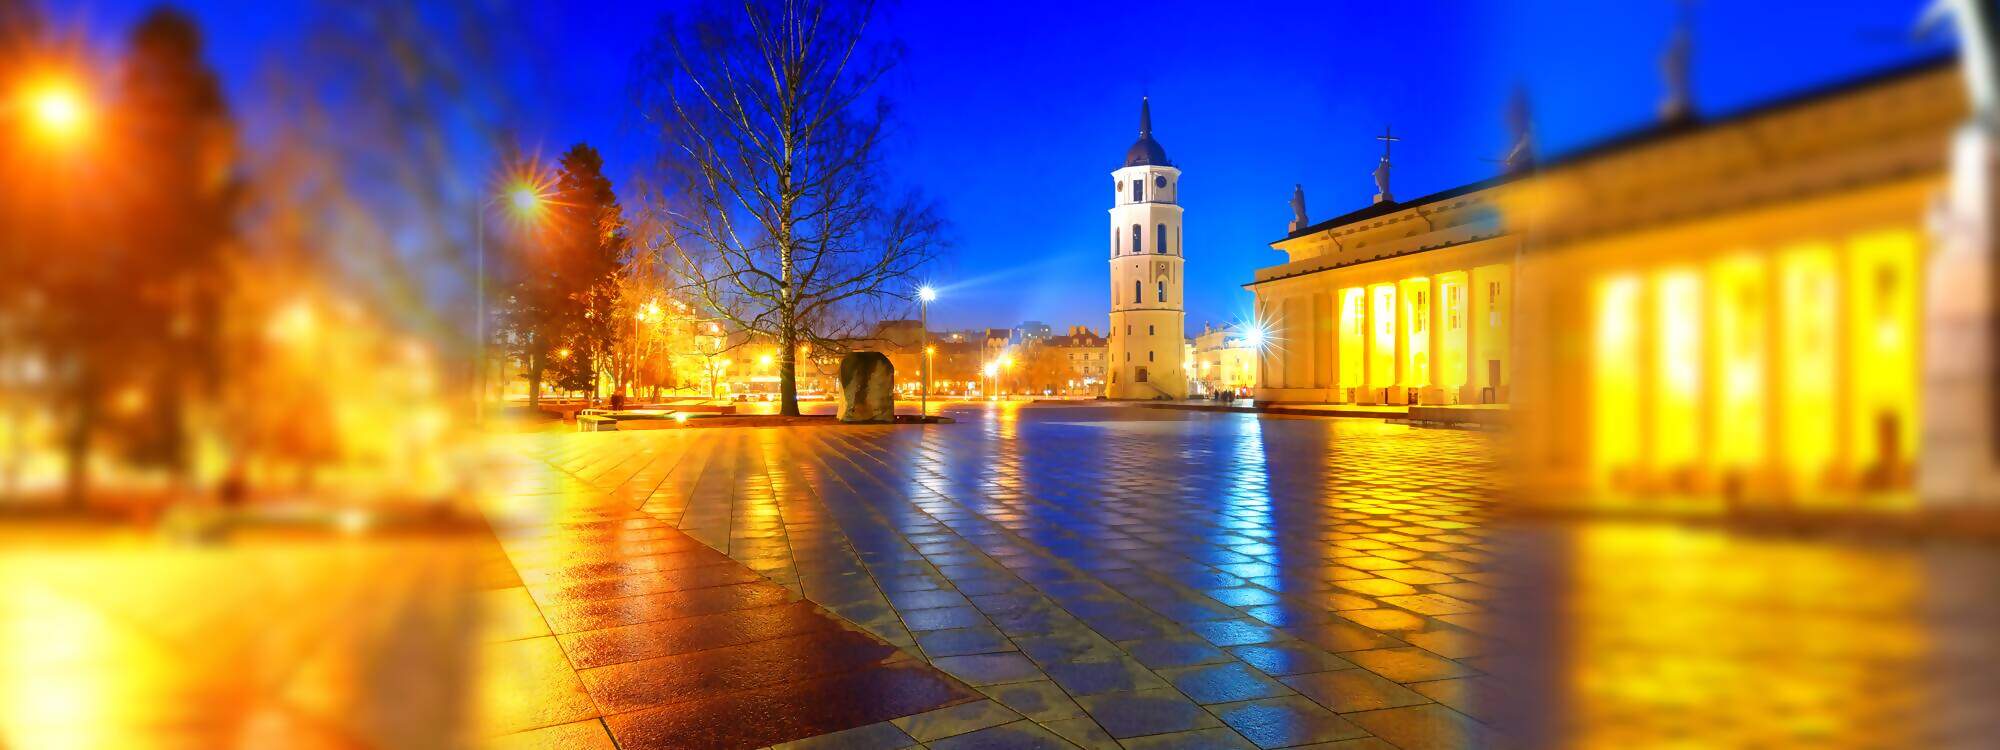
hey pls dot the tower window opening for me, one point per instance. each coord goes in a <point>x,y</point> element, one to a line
<point>1117,243</point>
<point>1163,291</point>
<point>1160,239</point>
<point>1138,190</point>
<point>1138,236</point>
<point>1135,291</point>
<point>1149,356</point>
<point>1149,330</point>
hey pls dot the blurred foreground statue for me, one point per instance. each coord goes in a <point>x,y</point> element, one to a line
<point>1961,458</point>
<point>867,388</point>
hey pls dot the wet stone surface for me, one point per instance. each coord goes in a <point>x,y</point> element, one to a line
<point>1109,576</point>
<point>1134,570</point>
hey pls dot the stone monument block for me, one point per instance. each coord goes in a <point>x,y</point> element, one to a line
<point>867,388</point>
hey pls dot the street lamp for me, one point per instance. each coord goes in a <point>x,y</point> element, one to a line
<point>56,108</point>
<point>992,370</point>
<point>526,201</point>
<point>930,360</point>
<point>925,296</point>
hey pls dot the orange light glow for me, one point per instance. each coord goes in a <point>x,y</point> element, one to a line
<point>58,109</point>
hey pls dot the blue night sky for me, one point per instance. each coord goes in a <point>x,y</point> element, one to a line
<point>1013,114</point>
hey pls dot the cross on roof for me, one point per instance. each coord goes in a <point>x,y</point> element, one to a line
<point>1388,139</point>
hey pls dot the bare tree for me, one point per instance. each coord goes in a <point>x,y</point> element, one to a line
<point>778,208</point>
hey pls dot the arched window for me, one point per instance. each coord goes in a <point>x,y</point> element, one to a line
<point>1138,188</point>
<point>1135,291</point>
<point>1149,356</point>
<point>1138,235</point>
<point>1149,330</point>
<point>1160,240</point>
<point>1163,291</point>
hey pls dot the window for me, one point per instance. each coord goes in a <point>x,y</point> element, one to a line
<point>1117,244</point>
<point>1128,330</point>
<point>1128,356</point>
<point>1138,234</point>
<point>1160,239</point>
<point>1163,291</point>
<point>1135,291</point>
<point>1149,330</point>
<point>1138,190</point>
<point>1139,375</point>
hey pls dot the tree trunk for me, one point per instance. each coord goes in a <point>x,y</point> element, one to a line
<point>535,365</point>
<point>76,443</point>
<point>788,373</point>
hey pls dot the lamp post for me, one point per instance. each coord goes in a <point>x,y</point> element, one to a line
<point>925,295</point>
<point>525,200</point>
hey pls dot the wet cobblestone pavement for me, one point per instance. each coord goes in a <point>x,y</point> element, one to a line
<point>1110,577</point>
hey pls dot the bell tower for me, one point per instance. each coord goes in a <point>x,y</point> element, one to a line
<point>1147,319</point>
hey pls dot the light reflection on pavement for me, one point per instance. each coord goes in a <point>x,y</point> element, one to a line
<point>1101,575</point>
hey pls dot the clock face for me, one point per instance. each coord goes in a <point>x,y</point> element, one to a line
<point>1159,182</point>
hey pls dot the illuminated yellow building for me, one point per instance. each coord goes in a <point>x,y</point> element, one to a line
<point>1223,359</point>
<point>1398,303</point>
<point>1725,310</point>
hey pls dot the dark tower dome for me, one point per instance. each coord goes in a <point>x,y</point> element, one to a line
<point>1146,151</point>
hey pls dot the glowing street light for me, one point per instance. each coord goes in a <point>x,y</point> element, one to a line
<point>1255,337</point>
<point>58,109</point>
<point>525,199</point>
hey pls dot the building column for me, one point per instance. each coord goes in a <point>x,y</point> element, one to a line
<point>1433,390</point>
<point>1365,394</point>
<point>1960,461</point>
<point>1469,392</point>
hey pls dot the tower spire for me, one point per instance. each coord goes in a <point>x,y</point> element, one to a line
<point>1145,117</point>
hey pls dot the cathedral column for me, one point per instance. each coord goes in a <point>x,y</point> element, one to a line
<point>1960,463</point>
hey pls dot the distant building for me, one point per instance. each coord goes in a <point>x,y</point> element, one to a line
<point>1081,361</point>
<point>1224,359</point>
<point>900,333</point>
<point>998,342</point>
<point>1032,331</point>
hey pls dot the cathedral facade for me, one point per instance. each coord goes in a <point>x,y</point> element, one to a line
<point>1723,310</point>
<point>1147,337</point>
